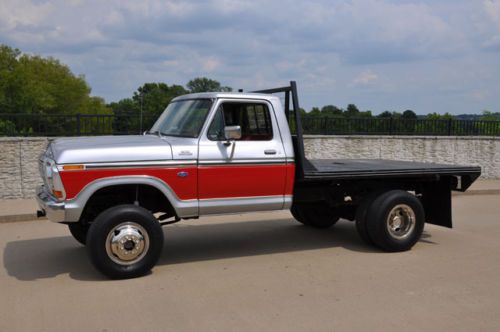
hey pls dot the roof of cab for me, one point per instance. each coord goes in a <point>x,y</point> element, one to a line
<point>230,95</point>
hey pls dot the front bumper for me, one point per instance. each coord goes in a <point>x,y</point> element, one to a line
<point>55,210</point>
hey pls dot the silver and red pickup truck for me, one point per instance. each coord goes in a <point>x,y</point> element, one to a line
<point>217,153</point>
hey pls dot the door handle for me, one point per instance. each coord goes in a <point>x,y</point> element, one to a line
<point>269,151</point>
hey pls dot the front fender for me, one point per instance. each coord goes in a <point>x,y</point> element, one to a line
<point>183,208</point>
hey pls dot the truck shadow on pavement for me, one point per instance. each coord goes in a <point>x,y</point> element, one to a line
<point>29,260</point>
<point>188,242</point>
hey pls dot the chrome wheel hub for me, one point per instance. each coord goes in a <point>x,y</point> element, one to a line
<point>401,221</point>
<point>127,243</point>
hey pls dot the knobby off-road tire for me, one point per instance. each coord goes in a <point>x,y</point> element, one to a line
<point>125,241</point>
<point>316,215</point>
<point>79,231</point>
<point>393,221</point>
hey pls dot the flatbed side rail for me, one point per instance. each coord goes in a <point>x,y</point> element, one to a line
<point>291,95</point>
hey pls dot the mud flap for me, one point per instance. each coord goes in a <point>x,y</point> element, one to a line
<point>436,198</point>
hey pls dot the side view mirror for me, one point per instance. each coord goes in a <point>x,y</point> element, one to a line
<point>232,132</point>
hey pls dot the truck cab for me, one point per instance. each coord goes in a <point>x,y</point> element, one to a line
<point>245,158</point>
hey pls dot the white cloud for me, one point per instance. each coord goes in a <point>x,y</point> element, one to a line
<point>492,8</point>
<point>15,13</point>
<point>366,77</point>
<point>491,25</point>
<point>210,64</point>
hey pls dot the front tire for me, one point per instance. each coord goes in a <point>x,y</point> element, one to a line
<point>79,231</point>
<point>125,241</point>
<point>314,215</point>
<point>395,221</point>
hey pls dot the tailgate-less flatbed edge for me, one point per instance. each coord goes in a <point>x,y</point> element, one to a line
<point>346,169</point>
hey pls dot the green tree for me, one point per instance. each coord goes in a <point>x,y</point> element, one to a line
<point>409,114</point>
<point>315,111</point>
<point>154,97</point>
<point>203,84</point>
<point>365,114</point>
<point>492,127</point>
<point>8,64</point>
<point>437,116</point>
<point>42,87</point>
<point>7,128</point>
<point>126,116</point>
<point>385,114</point>
<point>151,98</point>
<point>409,123</point>
<point>331,111</point>
<point>352,111</point>
<point>489,116</point>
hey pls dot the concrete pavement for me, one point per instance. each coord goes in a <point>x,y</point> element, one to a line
<point>12,210</point>
<point>261,272</point>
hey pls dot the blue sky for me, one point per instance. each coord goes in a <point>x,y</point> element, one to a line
<point>429,56</point>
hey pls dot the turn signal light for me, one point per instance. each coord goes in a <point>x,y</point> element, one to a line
<point>58,194</point>
<point>73,167</point>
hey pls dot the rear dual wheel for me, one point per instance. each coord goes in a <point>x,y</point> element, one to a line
<point>315,215</point>
<point>392,220</point>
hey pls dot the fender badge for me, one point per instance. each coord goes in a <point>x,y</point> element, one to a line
<point>182,174</point>
<point>185,153</point>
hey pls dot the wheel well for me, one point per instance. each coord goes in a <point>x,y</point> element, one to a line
<point>145,196</point>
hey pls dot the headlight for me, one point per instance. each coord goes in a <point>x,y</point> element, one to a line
<point>54,181</point>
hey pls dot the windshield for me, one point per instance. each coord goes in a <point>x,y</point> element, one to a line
<point>183,118</point>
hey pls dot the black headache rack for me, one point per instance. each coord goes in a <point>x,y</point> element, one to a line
<point>460,177</point>
<point>291,98</point>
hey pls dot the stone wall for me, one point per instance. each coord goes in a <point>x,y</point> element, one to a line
<point>19,166</point>
<point>480,151</point>
<point>19,156</point>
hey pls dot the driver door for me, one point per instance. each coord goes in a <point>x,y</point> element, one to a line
<point>247,173</point>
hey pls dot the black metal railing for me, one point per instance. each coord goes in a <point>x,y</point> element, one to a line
<point>126,124</point>
<point>400,126</point>
<point>74,124</point>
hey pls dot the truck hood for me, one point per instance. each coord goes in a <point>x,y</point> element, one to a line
<point>110,149</point>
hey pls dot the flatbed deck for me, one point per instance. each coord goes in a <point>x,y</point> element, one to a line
<point>369,168</point>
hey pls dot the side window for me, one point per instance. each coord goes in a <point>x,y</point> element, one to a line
<point>253,118</point>
<point>259,121</point>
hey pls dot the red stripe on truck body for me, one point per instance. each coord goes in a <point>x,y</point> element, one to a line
<point>243,180</point>
<point>184,187</point>
<point>204,182</point>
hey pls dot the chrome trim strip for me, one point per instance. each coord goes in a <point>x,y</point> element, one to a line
<point>241,204</point>
<point>281,161</point>
<point>237,198</point>
<point>288,202</point>
<point>136,164</point>
<point>175,164</point>
<point>141,166</point>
